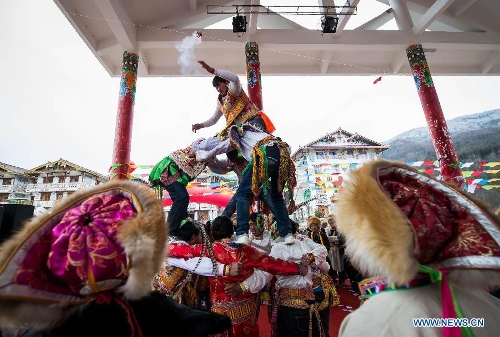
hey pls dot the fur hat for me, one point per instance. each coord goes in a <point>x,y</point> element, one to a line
<point>313,220</point>
<point>395,219</point>
<point>110,237</point>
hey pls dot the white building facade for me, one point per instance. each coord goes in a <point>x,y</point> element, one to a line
<point>323,164</point>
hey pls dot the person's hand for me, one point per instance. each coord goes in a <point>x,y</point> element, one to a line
<point>305,260</point>
<point>196,127</point>
<point>206,67</point>
<point>303,270</point>
<point>235,268</point>
<point>233,289</point>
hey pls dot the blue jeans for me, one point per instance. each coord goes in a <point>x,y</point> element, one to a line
<point>231,205</point>
<point>276,202</point>
<point>180,201</point>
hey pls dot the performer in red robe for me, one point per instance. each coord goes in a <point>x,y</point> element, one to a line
<point>241,309</point>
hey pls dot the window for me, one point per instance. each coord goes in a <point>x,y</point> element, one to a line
<point>45,196</point>
<point>320,155</point>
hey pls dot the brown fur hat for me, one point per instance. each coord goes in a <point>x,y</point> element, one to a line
<point>110,237</point>
<point>313,220</point>
<point>395,218</point>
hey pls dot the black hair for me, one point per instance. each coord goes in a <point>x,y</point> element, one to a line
<point>233,154</point>
<point>253,217</point>
<point>208,224</point>
<point>294,226</point>
<point>222,227</point>
<point>187,230</point>
<point>217,80</point>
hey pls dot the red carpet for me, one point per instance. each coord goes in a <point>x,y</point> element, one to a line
<point>348,302</point>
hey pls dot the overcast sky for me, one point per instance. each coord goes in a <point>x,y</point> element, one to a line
<point>57,101</point>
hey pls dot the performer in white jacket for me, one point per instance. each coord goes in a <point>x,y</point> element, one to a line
<point>233,103</point>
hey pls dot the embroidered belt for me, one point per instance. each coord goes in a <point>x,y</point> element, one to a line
<point>238,311</point>
<point>296,298</point>
<point>166,180</point>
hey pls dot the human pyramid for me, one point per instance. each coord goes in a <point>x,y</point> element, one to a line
<point>106,262</point>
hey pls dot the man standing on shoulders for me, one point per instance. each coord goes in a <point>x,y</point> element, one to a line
<point>233,103</point>
<point>269,172</point>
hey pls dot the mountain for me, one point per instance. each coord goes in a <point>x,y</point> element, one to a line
<point>475,137</point>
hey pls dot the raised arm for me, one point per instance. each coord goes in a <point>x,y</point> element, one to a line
<point>234,80</point>
<point>209,122</point>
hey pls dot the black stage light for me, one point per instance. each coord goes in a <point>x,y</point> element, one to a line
<point>329,24</point>
<point>239,24</point>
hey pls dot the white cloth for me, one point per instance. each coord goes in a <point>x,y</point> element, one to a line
<point>302,245</point>
<point>214,146</point>
<point>204,268</point>
<point>391,313</point>
<point>234,86</point>
<point>262,244</point>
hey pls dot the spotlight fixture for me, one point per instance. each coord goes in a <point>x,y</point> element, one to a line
<point>329,24</point>
<point>239,24</point>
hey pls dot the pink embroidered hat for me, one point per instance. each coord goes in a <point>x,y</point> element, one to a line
<point>395,219</point>
<point>109,238</point>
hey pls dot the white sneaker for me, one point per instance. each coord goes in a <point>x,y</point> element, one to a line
<point>289,239</point>
<point>243,239</point>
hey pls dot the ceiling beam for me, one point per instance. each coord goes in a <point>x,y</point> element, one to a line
<point>118,19</point>
<point>398,60</point>
<point>105,47</point>
<point>343,19</point>
<point>71,14</point>
<point>401,14</point>
<point>254,16</point>
<point>461,7</point>
<point>185,19</point>
<point>377,21</point>
<point>323,3</point>
<point>192,6</point>
<point>432,13</point>
<point>326,58</point>
<point>313,40</point>
<point>492,58</point>
<point>447,18</point>
<point>143,66</point>
<point>276,21</point>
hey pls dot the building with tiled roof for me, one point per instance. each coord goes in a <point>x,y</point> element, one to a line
<point>44,184</point>
<point>322,165</point>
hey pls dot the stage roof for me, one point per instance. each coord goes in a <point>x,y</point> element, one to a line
<point>460,37</point>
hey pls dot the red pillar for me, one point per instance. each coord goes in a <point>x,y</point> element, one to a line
<point>124,118</point>
<point>253,74</point>
<point>440,135</point>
